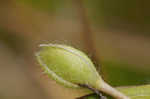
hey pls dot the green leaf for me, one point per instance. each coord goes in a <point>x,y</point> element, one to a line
<point>136,92</point>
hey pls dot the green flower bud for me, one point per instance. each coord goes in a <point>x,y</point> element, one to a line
<point>71,67</point>
<point>67,65</point>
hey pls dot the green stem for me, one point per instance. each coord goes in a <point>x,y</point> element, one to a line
<point>133,92</point>
<point>104,87</point>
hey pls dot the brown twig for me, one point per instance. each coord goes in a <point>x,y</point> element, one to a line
<point>87,32</point>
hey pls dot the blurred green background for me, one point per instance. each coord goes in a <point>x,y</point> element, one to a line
<point>120,35</point>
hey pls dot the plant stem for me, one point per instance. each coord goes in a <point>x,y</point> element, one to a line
<point>86,30</point>
<point>104,87</point>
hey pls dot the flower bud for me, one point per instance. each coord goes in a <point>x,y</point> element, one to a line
<point>72,68</point>
<point>67,65</point>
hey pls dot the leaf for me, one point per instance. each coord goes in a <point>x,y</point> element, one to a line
<point>136,92</point>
